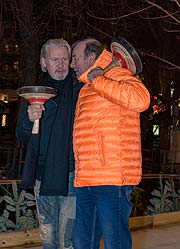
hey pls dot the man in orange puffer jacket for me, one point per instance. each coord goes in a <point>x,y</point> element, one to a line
<point>107,146</point>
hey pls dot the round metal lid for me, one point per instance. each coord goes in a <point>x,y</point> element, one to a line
<point>129,54</point>
<point>36,89</point>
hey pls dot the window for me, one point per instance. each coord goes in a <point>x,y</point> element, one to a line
<point>6,48</point>
<point>3,122</point>
<point>16,65</point>
<point>156,130</point>
<point>16,48</point>
<point>5,68</point>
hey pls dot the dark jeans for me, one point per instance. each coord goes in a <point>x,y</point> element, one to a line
<point>107,208</point>
<point>56,216</point>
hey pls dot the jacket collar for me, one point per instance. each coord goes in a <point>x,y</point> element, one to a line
<point>102,61</point>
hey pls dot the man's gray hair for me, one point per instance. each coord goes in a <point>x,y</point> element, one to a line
<point>91,46</point>
<point>53,43</point>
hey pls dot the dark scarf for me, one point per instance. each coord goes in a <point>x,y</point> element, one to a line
<point>56,169</point>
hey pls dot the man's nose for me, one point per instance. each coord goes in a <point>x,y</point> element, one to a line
<point>60,62</point>
<point>72,64</point>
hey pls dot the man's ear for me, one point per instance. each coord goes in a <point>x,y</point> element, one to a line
<point>92,57</point>
<point>43,62</point>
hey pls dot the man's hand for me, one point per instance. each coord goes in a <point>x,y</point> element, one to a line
<point>35,111</point>
<point>94,73</point>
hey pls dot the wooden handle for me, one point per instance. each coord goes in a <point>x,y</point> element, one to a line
<point>35,129</point>
<point>114,63</point>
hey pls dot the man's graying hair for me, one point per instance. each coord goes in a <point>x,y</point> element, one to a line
<point>94,46</point>
<point>53,43</point>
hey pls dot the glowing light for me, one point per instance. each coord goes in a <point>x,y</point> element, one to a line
<point>156,130</point>
<point>3,124</point>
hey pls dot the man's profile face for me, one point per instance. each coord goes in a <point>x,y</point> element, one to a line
<point>57,62</point>
<point>80,63</point>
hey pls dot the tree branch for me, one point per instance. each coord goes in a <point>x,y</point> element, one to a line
<point>161,59</point>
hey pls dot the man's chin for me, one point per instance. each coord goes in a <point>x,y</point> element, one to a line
<point>60,76</point>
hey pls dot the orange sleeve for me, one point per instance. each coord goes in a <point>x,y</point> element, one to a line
<point>121,87</point>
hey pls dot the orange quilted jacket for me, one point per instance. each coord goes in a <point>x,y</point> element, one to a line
<point>106,136</point>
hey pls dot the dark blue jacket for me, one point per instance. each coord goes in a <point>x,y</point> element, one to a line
<point>49,155</point>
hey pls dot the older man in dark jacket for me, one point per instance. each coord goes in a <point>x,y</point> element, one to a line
<point>49,161</point>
